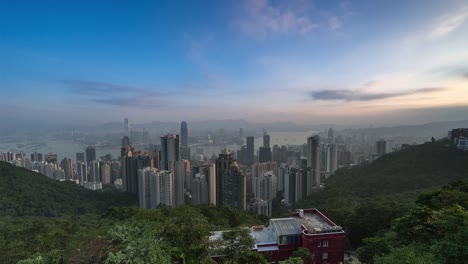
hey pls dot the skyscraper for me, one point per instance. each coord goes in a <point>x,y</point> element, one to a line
<point>80,157</point>
<point>67,166</point>
<point>381,147</point>
<point>169,151</point>
<point>222,165</point>
<point>170,160</point>
<point>184,134</point>
<point>90,154</point>
<point>234,187</point>
<point>250,150</point>
<point>184,149</point>
<point>266,140</point>
<point>313,162</point>
<point>126,128</point>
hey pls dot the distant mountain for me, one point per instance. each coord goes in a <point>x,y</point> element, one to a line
<point>435,129</point>
<point>23,192</point>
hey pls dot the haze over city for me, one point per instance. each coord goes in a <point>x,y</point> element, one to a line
<point>308,62</point>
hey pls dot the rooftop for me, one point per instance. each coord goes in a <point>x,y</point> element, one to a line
<point>315,222</point>
<point>286,226</point>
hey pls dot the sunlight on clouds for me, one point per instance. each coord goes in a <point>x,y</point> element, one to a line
<point>449,23</point>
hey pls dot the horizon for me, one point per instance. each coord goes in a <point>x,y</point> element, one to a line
<point>304,62</point>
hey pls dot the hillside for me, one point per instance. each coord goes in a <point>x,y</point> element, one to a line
<point>365,198</point>
<point>415,168</point>
<point>26,193</point>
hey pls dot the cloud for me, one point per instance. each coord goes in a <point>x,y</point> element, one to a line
<point>260,19</point>
<point>114,94</point>
<point>334,23</point>
<point>465,75</point>
<point>349,95</point>
<point>449,23</point>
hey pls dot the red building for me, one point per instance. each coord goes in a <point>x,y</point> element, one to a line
<point>307,228</point>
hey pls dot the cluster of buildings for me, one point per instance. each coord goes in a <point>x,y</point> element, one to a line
<point>306,228</point>
<point>168,174</point>
<point>88,171</point>
<point>459,138</point>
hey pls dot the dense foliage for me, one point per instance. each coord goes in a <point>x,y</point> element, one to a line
<point>434,231</point>
<point>26,193</point>
<point>122,235</point>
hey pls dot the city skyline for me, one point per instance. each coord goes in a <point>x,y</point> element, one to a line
<point>262,61</point>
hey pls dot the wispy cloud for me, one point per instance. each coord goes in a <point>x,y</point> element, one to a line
<point>114,94</point>
<point>449,23</point>
<point>261,18</point>
<point>349,95</point>
<point>334,23</point>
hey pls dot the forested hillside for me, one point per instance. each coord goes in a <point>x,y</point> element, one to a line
<point>26,193</point>
<point>364,199</point>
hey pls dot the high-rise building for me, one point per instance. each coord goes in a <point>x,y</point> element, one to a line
<point>313,162</point>
<point>276,154</point>
<point>67,166</point>
<point>223,162</point>
<point>266,140</point>
<point>250,158</point>
<point>169,151</point>
<point>264,154</point>
<point>234,187</point>
<point>258,169</point>
<point>90,154</point>
<point>125,141</point>
<point>212,184</point>
<point>170,160</point>
<point>133,164</point>
<point>381,146</point>
<point>80,157</point>
<point>105,173</point>
<point>82,171</point>
<point>94,171</point>
<point>184,134</point>
<point>126,128</point>
<point>51,158</point>
<point>155,188</point>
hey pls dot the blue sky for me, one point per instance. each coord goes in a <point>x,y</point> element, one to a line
<point>300,61</point>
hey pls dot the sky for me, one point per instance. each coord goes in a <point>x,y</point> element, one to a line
<point>349,62</point>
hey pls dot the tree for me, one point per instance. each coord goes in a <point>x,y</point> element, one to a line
<point>406,255</point>
<point>303,253</point>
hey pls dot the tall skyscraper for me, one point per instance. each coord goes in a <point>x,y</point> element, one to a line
<point>90,154</point>
<point>184,134</point>
<point>67,166</point>
<point>170,160</point>
<point>82,170</point>
<point>313,162</point>
<point>234,187</point>
<point>184,148</point>
<point>222,165</point>
<point>266,140</point>
<point>169,151</point>
<point>80,157</point>
<point>126,128</point>
<point>381,147</point>
<point>250,150</point>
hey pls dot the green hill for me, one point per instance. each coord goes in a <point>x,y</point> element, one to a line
<point>414,168</point>
<point>26,193</point>
<point>364,199</point>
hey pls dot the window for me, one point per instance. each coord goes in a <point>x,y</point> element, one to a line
<point>325,243</point>
<point>319,244</point>
<point>325,255</point>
